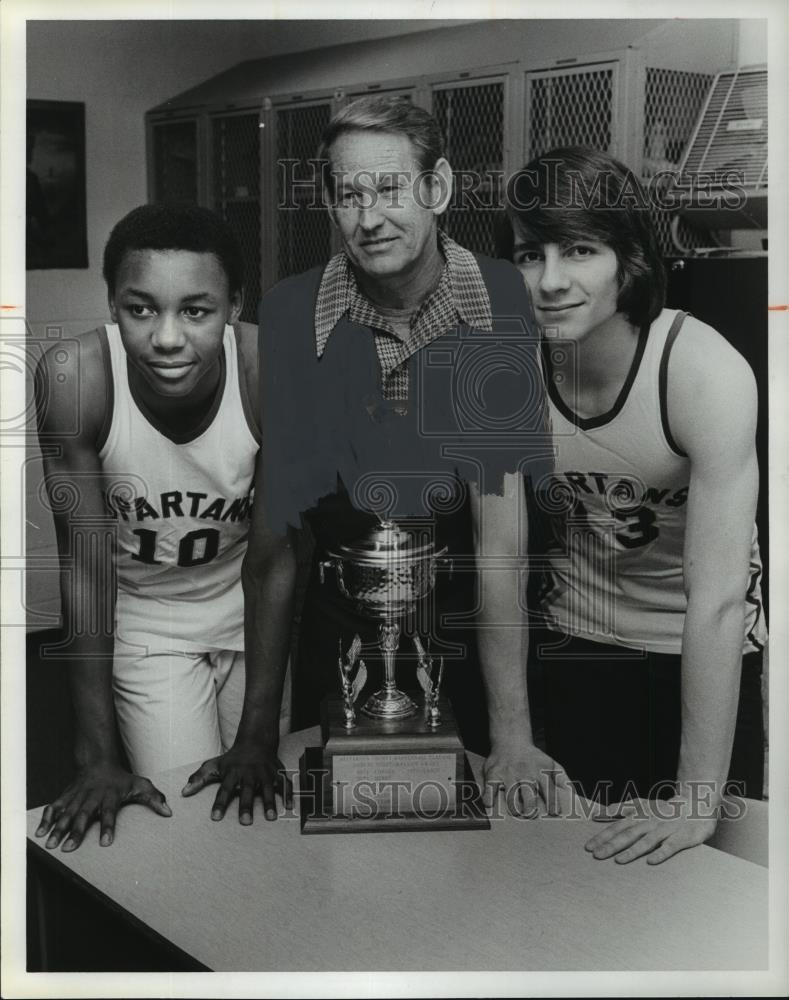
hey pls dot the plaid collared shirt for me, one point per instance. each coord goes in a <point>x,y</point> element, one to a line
<point>460,296</point>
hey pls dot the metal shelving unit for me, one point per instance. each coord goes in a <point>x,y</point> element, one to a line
<point>247,155</point>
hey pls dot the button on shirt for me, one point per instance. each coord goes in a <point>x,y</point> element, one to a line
<point>460,296</point>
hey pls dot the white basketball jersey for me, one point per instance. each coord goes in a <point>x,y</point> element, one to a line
<point>183,509</point>
<point>617,505</point>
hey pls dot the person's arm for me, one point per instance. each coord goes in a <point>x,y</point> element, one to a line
<point>70,411</point>
<point>251,766</point>
<point>712,414</point>
<point>515,767</point>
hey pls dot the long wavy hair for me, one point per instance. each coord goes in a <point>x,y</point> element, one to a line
<point>573,193</point>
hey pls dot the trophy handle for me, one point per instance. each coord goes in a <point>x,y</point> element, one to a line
<point>435,712</point>
<point>337,566</point>
<point>447,563</point>
<point>350,688</point>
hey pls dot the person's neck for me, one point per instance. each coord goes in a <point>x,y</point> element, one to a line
<point>591,377</point>
<point>407,290</point>
<point>603,358</point>
<point>182,415</point>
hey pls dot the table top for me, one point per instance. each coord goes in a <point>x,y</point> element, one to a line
<point>523,895</point>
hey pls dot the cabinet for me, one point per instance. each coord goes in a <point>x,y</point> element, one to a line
<point>248,152</point>
<point>174,146</point>
<point>296,229</point>
<point>234,190</point>
<point>213,159</point>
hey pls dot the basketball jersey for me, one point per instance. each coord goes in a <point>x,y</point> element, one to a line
<point>182,506</point>
<point>616,507</point>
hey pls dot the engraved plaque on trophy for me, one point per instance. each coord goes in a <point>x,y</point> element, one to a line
<point>394,761</point>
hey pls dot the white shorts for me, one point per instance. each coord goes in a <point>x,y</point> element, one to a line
<point>175,707</point>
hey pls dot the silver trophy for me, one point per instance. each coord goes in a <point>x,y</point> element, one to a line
<point>384,575</point>
<point>394,764</point>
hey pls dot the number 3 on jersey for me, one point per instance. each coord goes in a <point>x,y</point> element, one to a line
<point>636,526</point>
<point>196,548</point>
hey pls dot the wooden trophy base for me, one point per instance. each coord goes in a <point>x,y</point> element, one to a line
<point>388,774</point>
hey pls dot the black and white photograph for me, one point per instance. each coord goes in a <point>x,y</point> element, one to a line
<point>393,443</point>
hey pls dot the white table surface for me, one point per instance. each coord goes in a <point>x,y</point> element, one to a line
<point>523,895</point>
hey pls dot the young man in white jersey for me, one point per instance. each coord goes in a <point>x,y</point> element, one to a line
<point>158,478</point>
<point>651,594</point>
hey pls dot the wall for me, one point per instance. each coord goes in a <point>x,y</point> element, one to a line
<point>119,69</point>
<point>752,49</point>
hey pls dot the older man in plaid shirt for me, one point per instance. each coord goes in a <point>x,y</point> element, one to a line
<point>401,380</point>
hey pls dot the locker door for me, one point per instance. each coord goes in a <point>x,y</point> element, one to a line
<point>471,114</point>
<point>672,102</point>
<point>235,192</point>
<point>572,107</point>
<point>175,167</point>
<point>299,231</point>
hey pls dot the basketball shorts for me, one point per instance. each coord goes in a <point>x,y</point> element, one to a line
<point>177,707</point>
<point>612,716</point>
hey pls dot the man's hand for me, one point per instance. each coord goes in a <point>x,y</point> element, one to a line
<point>97,792</point>
<point>246,769</point>
<point>532,782</point>
<point>658,829</point>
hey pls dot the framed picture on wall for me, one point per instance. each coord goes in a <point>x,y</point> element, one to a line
<point>56,217</point>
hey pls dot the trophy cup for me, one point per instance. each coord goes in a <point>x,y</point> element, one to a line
<point>396,762</point>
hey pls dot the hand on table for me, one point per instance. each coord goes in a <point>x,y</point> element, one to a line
<point>658,829</point>
<point>532,782</point>
<point>246,769</point>
<point>98,792</point>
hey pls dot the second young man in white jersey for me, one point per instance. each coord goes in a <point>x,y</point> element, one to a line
<point>652,607</point>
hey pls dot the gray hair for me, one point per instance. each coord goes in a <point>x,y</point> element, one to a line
<point>384,114</point>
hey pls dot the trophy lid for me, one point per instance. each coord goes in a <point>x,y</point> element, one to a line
<point>384,544</point>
